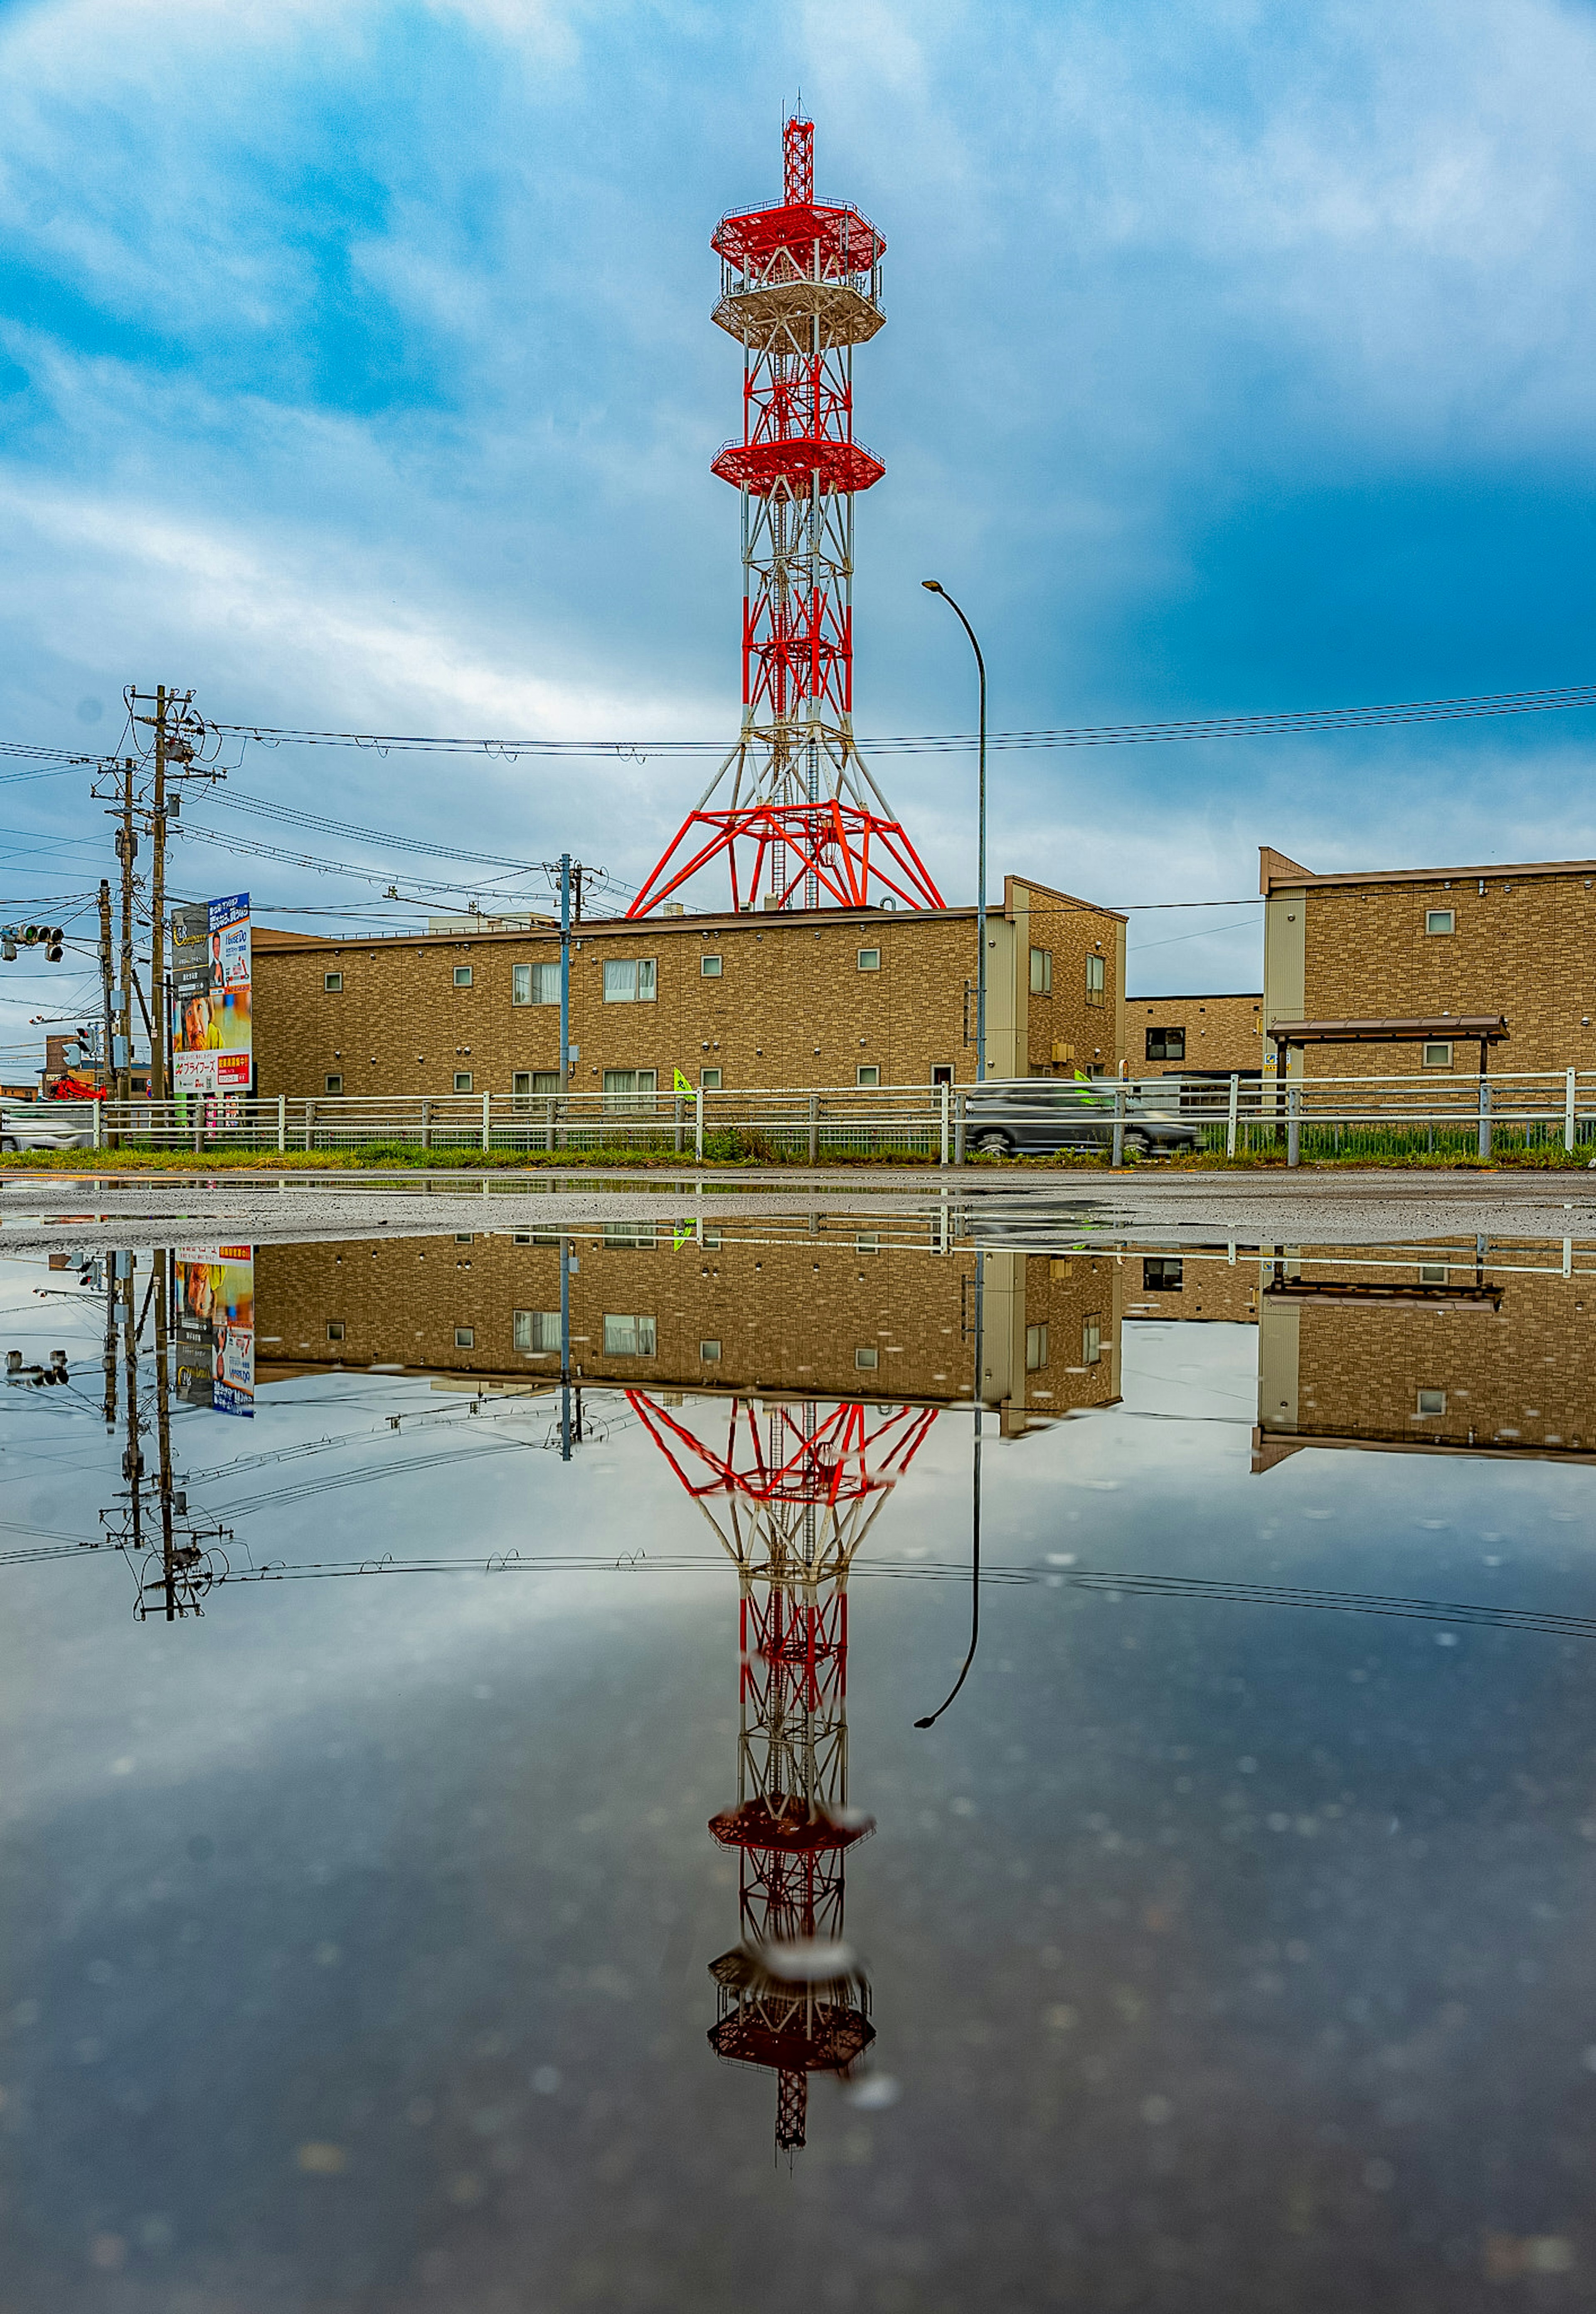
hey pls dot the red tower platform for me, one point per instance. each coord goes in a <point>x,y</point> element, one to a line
<point>799,818</point>
<point>791,1502</point>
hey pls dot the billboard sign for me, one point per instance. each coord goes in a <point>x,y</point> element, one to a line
<point>215,1326</point>
<point>212,1045</point>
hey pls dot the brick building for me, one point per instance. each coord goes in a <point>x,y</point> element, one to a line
<point>788,998</point>
<point>1195,1035</point>
<point>1435,1354</point>
<point>836,1312</point>
<point>1414,943</point>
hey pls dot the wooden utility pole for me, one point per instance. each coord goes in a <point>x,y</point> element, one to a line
<point>105,982</point>
<point>126,853</point>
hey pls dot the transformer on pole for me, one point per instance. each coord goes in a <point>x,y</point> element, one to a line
<point>792,1500</point>
<point>794,807</point>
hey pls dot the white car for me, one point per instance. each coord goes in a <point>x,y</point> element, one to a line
<point>45,1125</point>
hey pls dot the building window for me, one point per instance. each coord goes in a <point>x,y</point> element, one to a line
<point>536,1237</point>
<point>1041,972</point>
<point>524,1083</point>
<point>868,1073</point>
<point>535,983</point>
<point>628,1337</point>
<point>1036,1346</point>
<point>630,981</point>
<point>462,1079</point>
<point>332,1084</point>
<point>537,1330</point>
<point>1163,1275</point>
<point>1438,1056</point>
<point>708,1352</point>
<point>333,983</point>
<point>709,1080</point>
<point>1091,1340</point>
<point>644,1233</point>
<point>1094,979</point>
<point>465,1338</point>
<point>463,1237</point>
<point>709,1236</point>
<point>463,975</point>
<point>709,964</point>
<point>866,1357</point>
<point>869,959</point>
<point>1432,1273</point>
<point>627,1089</point>
<point>867,1241</point>
<point>942,1074</point>
<point>1441,920</point>
<point>335,1330</point>
<point>1432,1401</point>
<point>1166,1044</point>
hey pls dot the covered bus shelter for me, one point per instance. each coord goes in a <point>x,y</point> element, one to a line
<point>1483,1029</point>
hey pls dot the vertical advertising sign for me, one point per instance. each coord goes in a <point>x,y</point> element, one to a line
<point>215,1326</point>
<point>212,1043</point>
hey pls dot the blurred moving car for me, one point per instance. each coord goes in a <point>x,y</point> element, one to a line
<point>44,1124</point>
<point>1035,1117</point>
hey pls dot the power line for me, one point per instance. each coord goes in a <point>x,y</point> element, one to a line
<point>1555,699</point>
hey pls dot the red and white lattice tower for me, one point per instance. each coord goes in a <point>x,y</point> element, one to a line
<point>794,807</point>
<point>791,1502</point>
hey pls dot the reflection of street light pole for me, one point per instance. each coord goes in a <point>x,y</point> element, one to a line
<point>935,587</point>
<point>975,1500</point>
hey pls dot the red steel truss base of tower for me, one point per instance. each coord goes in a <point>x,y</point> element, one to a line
<point>799,852</point>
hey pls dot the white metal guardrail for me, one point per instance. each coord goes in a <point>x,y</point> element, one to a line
<point>1454,1114</point>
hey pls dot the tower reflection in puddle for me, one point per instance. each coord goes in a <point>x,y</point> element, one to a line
<point>792,1491</point>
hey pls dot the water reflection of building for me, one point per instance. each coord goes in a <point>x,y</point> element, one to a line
<point>791,1493</point>
<point>1475,1349</point>
<point>836,1312</point>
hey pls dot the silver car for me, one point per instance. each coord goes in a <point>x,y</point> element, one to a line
<point>45,1125</point>
<point>1040,1116</point>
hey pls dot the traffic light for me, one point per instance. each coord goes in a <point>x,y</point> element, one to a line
<point>48,936</point>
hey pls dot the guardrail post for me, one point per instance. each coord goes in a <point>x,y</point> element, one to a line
<point>1231,1115</point>
<point>97,1112</point>
<point>1117,1150</point>
<point>960,1124</point>
<point>282,1123</point>
<point>487,1120</point>
<point>698,1126</point>
<point>1484,1118</point>
<point>309,1118</point>
<point>1293,1131</point>
<point>678,1122</point>
<point>813,1128</point>
<point>1568,1113</point>
<point>946,1122</point>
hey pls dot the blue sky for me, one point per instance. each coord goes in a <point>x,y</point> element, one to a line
<point>356,368</point>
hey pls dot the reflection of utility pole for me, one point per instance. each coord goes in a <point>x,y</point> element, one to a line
<point>163,1438</point>
<point>571,1428</point>
<point>109,1360</point>
<point>132,1453</point>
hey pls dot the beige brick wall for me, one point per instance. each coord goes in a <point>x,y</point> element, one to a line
<point>1522,947</point>
<point>1221,1032</point>
<point>790,1006</point>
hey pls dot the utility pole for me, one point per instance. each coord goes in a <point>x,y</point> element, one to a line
<point>126,853</point>
<point>565,970</point>
<point>105,972</point>
<point>158,905</point>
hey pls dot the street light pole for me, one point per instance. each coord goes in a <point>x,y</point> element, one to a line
<point>935,587</point>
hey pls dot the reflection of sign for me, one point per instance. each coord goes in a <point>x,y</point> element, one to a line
<point>211,1036</point>
<point>215,1326</point>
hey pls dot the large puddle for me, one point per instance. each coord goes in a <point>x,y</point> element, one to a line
<point>468,1843</point>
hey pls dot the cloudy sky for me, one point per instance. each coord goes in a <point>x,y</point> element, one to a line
<point>355,369</point>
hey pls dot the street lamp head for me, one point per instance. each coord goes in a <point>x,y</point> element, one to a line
<point>932,586</point>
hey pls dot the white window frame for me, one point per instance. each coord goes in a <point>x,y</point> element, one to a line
<point>465,1338</point>
<point>545,984</point>
<point>1436,1054</point>
<point>712,965</point>
<point>620,1099</point>
<point>333,1082</point>
<point>868,1073</point>
<point>711,1081</point>
<point>1439,923</point>
<point>869,959</point>
<point>462,1079</point>
<point>525,1087</point>
<point>1434,1273</point>
<point>1437,1405</point>
<point>463,975</point>
<point>536,1333</point>
<point>332,983</point>
<point>1041,972</point>
<point>867,1358</point>
<point>1097,978</point>
<point>630,1335</point>
<point>643,986</point>
<point>1035,1347</point>
<point>1091,1339</point>
<point>708,1351</point>
<point>335,1330</point>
